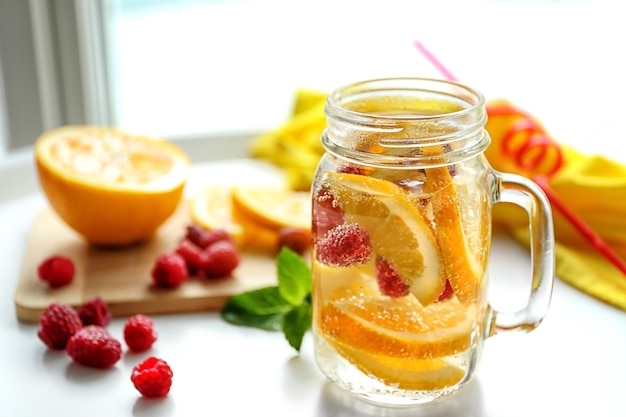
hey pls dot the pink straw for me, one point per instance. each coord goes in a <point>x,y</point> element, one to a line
<point>592,237</point>
<point>583,228</point>
<point>435,62</point>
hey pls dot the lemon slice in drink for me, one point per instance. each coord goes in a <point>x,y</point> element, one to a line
<point>398,230</point>
<point>460,266</point>
<point>406,374</point>
<point>397,327</point>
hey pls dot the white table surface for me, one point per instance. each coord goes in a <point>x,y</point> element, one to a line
<point>572,365</point>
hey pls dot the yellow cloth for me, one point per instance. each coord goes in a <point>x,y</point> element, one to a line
<point>593,187</point>
<point>295,146</point>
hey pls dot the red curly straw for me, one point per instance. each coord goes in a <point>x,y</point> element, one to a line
<point>577,222</point>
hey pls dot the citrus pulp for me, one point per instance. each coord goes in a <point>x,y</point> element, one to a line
<point>398,230</point>
<point>212,208</point>
<point>112,187</point>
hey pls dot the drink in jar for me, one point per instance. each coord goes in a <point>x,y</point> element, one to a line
<point>402,205</point>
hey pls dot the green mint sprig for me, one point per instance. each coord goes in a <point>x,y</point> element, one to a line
<point>285,307</point>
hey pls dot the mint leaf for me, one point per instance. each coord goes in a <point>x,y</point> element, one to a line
<point>285,307</point>
<point>272,322</point>
<point>262,308</point>
<point>265,300</point>
<point>296,323</point>
<point>294,276</point>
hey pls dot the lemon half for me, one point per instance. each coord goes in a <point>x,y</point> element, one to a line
<point>112,187</point>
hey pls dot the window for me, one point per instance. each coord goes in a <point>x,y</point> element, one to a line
<point>210,68</point>
<point>52,71</point>
<point>187,67</point>
<point>216,66</point>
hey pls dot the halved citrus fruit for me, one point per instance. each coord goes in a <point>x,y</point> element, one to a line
<point>112,187</point>
<point>398,230</point>
<point>212,208</point>
<point>274,207</point>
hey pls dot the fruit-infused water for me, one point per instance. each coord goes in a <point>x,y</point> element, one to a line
<point>397,278</point>
<point>402,230</point>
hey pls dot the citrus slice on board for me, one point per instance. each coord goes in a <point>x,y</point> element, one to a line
<point>399,232</point>
<point>112,187</point>
<point>212,208</point>
<point>274,208</point>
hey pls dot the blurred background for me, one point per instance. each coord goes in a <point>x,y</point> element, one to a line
<point>185,69</point>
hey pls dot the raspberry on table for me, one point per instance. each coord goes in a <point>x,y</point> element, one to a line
<point>139,333</point>
<point>56,271</point>
<point>57,324</point>
<point>298,240</point>
<point>192,253</point>
<point>344,245</point>
<point>389,282</point>
<point>170,270</point>
<point>205,238</point>
<point>221,258</point>
<point>94,346</point>
<point>152,377</point>
<point>95,311</point>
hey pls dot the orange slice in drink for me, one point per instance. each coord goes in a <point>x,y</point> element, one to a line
<point>396,327</point>
<point>461,268</point>
<point>398,230</point>
<point>112,187</point>
<point>406,374</point>
<point>274,208</point>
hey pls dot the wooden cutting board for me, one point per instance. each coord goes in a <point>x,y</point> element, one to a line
<point>122,277</point>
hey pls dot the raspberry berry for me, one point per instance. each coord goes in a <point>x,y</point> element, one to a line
<point>192,254</point>
<point>352,169</point>
<point>139,333</point>
<point>170,270</point>
<point>94,346</point>
<point>205,238</point>
<point>326,212</point>
<point>58,323</point>
<point>344,245</point>
<point>389,282</point>
<point>447,292</point>
<point>152,377</point>
<point>95,311</point>
<point>298,240</point>
<point>56,271</point>
<point>220,259</point>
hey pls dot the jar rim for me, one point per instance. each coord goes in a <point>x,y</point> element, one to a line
<point>406,121</point>
<point>473,99</point>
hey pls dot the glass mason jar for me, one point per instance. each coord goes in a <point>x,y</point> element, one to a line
<point>402,204</point>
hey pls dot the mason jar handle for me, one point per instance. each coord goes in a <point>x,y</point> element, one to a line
<point>519,190</point>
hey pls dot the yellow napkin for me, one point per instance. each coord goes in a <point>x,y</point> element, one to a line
<point>593,187</point>
<point>295,146</point>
